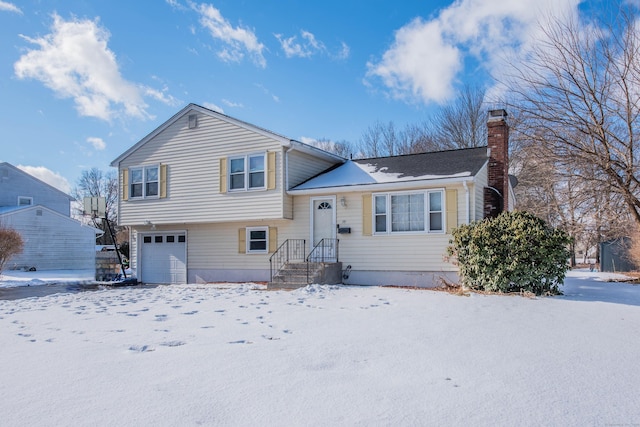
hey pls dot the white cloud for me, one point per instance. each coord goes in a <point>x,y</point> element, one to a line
<point>48,176</point>
<point>9,7</point>
<point>238,40</point>
<point>97,143</point>
<point>75,62</point>
<point>427,56</point>
<point>267,92</point>
<point>304,49</point>
<point>232,104</point>
<point>213,107</point>
<point>344,52</point>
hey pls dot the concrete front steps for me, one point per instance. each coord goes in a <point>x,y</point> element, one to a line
<point>294,275</point>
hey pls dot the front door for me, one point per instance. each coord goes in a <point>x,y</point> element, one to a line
<point>323,228</point>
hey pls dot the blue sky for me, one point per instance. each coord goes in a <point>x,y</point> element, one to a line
<point>81,81</point>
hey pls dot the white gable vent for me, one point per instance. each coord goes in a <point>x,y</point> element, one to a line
<point>193,121</point>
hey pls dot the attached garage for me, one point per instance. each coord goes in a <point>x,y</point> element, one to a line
<point>163,257</point>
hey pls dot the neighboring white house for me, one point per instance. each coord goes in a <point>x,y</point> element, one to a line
<point>41,214</point>
<point>212,198</point>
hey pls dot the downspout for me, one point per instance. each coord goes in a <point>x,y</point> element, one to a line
<point>467,200</point>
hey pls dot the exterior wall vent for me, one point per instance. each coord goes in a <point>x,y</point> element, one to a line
<point>193,121</point>
<point>38,212</point>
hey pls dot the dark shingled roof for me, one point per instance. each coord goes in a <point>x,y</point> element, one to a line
<point>409,167</point>
<point>444,163</point>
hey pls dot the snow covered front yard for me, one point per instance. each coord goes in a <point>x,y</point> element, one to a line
<point>322,355</point>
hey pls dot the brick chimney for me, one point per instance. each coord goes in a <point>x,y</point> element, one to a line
<point>496,194</point>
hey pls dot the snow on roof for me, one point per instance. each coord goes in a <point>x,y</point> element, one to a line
<point>405,168</point>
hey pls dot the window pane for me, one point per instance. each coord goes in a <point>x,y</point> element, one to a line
<point>258,234</point>
<point>381,204</point>
<point>182,239</point>
<point>435,221</point>
<point>256,164</point>
<point>256,180</point>
<point>407,212</point>
<point>146,239</point>
<point>152,174</point>
<point>158,239</point>
<point>136,175</point>
<point>435,201</point>
<point>237,181</point>
<point>258,245</point>
<point>381,223</point>
<point>171,239</point>
<point>237,165</point>
<point>152,189</point>
<point>136,190</point>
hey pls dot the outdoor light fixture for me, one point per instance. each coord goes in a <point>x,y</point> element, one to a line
<point>343,202</point>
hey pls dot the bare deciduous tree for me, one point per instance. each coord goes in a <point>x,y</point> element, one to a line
<point>579,95</point>
<point>96,183</point>
<point>461,123</point>
<point>11,244</point>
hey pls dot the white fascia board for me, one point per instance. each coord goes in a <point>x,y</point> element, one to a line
<point>386,186</point>
<point>314,151</point>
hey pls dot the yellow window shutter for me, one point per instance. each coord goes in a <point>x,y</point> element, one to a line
<point>452,210</point>
<point>273,239</point>
<point>242,240</point>
<point>271,170</point>
<point>163,181</point>
<point>125,184</point>
<point>366,215</point>
<point>223,175</point>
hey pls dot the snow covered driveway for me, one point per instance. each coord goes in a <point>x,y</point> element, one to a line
<point>211,355</point>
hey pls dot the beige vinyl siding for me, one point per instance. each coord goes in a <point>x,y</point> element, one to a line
<point>394,252</point>
<point>193,182</point>
<point>480,182</point>
<point>303,166</point>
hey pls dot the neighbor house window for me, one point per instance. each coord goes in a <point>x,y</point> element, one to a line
<point>257,239</point>
<point>144,181</point>
<point>405,212</point>
<point>25,201</point>
<point>247,172</point>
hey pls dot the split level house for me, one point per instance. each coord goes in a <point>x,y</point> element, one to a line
<point>42,215</point>
<point>210,198</point>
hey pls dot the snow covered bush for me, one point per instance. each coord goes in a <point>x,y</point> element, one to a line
<point>514,252</point>
<point>10,244</point>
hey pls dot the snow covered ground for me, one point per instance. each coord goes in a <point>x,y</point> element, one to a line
<point>322,355</point>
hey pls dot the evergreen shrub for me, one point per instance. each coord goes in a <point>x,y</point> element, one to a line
<point>514,252</point>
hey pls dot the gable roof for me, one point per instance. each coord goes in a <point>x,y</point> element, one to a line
<point>438,165</point>
<point>33,178</point>
<point>286,142</point>
<point>18,210</point>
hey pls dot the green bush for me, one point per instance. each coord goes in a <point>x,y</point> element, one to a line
<point>514,252</point>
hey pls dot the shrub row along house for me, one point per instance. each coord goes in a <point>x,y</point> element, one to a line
<point>42,216</point>
<point>211,198</point>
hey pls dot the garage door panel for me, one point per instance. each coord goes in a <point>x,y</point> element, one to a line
<point>163,258</point>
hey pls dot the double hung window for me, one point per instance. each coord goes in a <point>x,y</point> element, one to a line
<point>257,239</point>
<point>247,172</point>
<point>408,212</point>
<point>144,181</point>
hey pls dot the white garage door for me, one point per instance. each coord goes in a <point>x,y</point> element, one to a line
<point>163,258</point>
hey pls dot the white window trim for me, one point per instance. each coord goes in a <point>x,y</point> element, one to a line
<point>144,182</point>
<point>30,199</point>
<point>248,240</point>
<point>247,173</point>
<point>426,211</point>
